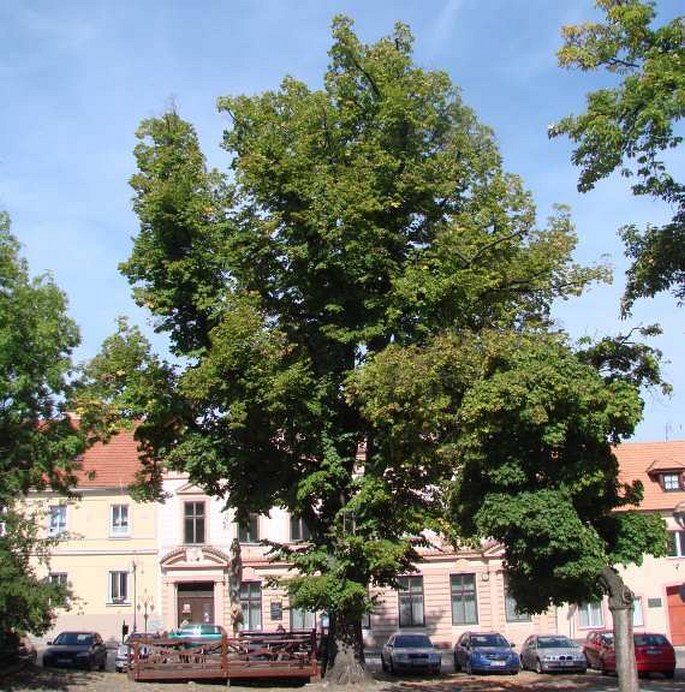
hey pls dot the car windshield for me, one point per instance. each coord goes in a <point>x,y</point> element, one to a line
<point>198,630</point>
<point>489,640</point>
<point>413,641</point>
<point>650,640</point>
<point>73,638</point>
<point>555,643</point>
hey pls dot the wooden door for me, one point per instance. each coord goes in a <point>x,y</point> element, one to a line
<point>195,602</point>
<point>676,613</point>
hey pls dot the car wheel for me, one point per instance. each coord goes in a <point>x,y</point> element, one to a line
<point>391,666</point>
<point>468,668</point>
<point>668,674</point>
<point>103,665</point>
<point>384,665</point>
<point>538,666</point>
<point>457,667</point>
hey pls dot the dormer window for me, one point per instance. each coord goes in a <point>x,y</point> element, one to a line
<point>671,481</point>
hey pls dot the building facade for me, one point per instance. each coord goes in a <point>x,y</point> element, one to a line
<point>152,566</point>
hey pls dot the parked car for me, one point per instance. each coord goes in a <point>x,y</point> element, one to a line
<point>198,630</point>
<point>546,653</point>
<point>124,656</point>
<point>76,650</point>
<point>485,652</point>
<point>653,653</point>
<point>410,652</point>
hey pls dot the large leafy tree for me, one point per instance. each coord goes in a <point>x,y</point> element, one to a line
<point>633,128</point>
<point>369,237</point>
<point>527,423</point>
<point>39,444</point>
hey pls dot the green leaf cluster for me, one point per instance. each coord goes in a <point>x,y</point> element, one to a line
<point>363,329</point>
<point>39,443</point>
<point>631,128</point>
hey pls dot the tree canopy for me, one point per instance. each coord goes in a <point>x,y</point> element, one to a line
<point>633,129</point>
<point>369,277</point>
<point>39,445</point>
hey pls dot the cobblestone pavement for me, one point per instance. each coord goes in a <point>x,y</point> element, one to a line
<point>37,679</point>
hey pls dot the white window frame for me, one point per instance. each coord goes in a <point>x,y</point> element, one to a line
<point>411,601</point>
<point>117,526</point>
<point>638,613</point>
<point>671,481</point>
<point>245,531</point>
<point>464,599</point>
<point>251,603</point>
<point>511,614</point>
<point>590,615</point>
<point>57,528</point>
<point>299,531</point>
<point>115,579</point>
<point>678,544</point>
<point>59,578</point>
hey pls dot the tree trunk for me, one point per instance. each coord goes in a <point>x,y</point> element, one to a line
<point>344,659</point>
<point>621,607</point>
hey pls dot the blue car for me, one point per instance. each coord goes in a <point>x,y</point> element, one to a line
<point>485,652</point>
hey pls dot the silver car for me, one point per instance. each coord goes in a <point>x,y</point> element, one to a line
<point>410,652</point>
<point>547,653</point>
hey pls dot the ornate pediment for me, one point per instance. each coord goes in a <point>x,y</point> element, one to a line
<point>190,489</point>
<point>193,556</point>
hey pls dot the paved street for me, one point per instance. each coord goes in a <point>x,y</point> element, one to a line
<point>38,679</point>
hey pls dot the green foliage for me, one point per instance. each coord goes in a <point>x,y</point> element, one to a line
<point>39,443</point>
<point>378,280</point>
<point>628,128</point>
<point>27,603</point>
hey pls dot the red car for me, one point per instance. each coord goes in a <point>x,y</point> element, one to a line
<point>653,653</point>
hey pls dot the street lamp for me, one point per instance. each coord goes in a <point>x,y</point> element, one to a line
<point>134,568</point>
<point>147,605</point>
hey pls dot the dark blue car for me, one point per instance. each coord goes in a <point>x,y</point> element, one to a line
<point>485,652</point>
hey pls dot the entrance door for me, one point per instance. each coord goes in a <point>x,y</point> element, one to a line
<point>195,602</point>
<point>676,613</point>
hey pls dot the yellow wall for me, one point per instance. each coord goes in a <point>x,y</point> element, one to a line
<point>90,551</point>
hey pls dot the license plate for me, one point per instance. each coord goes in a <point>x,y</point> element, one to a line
<point>63,660</point>
<point>497,663</point>
<point>653,652</point>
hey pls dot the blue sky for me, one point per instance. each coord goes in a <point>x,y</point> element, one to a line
<point>76,78</point>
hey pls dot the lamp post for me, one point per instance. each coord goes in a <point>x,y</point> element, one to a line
<point>134,569</point>
<point>147,605</point>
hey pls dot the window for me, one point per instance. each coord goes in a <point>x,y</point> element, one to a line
<point>58,578</point>
<point>590,614</point>
<point>670,481</point>
<point>299,531</point>
<point>463,597</point>
<point>638,619</point>
<point>118,587</point>
<point>511,612</point>
<point>119,520</point>
<point>676,543</point>
<point>58,520</point>
<point>249,531</point>
<point>302,619</point>
<point>194,522</point>
<point>411,601</point>
<point>251,603</point>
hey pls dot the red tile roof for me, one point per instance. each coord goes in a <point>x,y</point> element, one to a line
<point>114,464</point>
<point>643,461</point>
